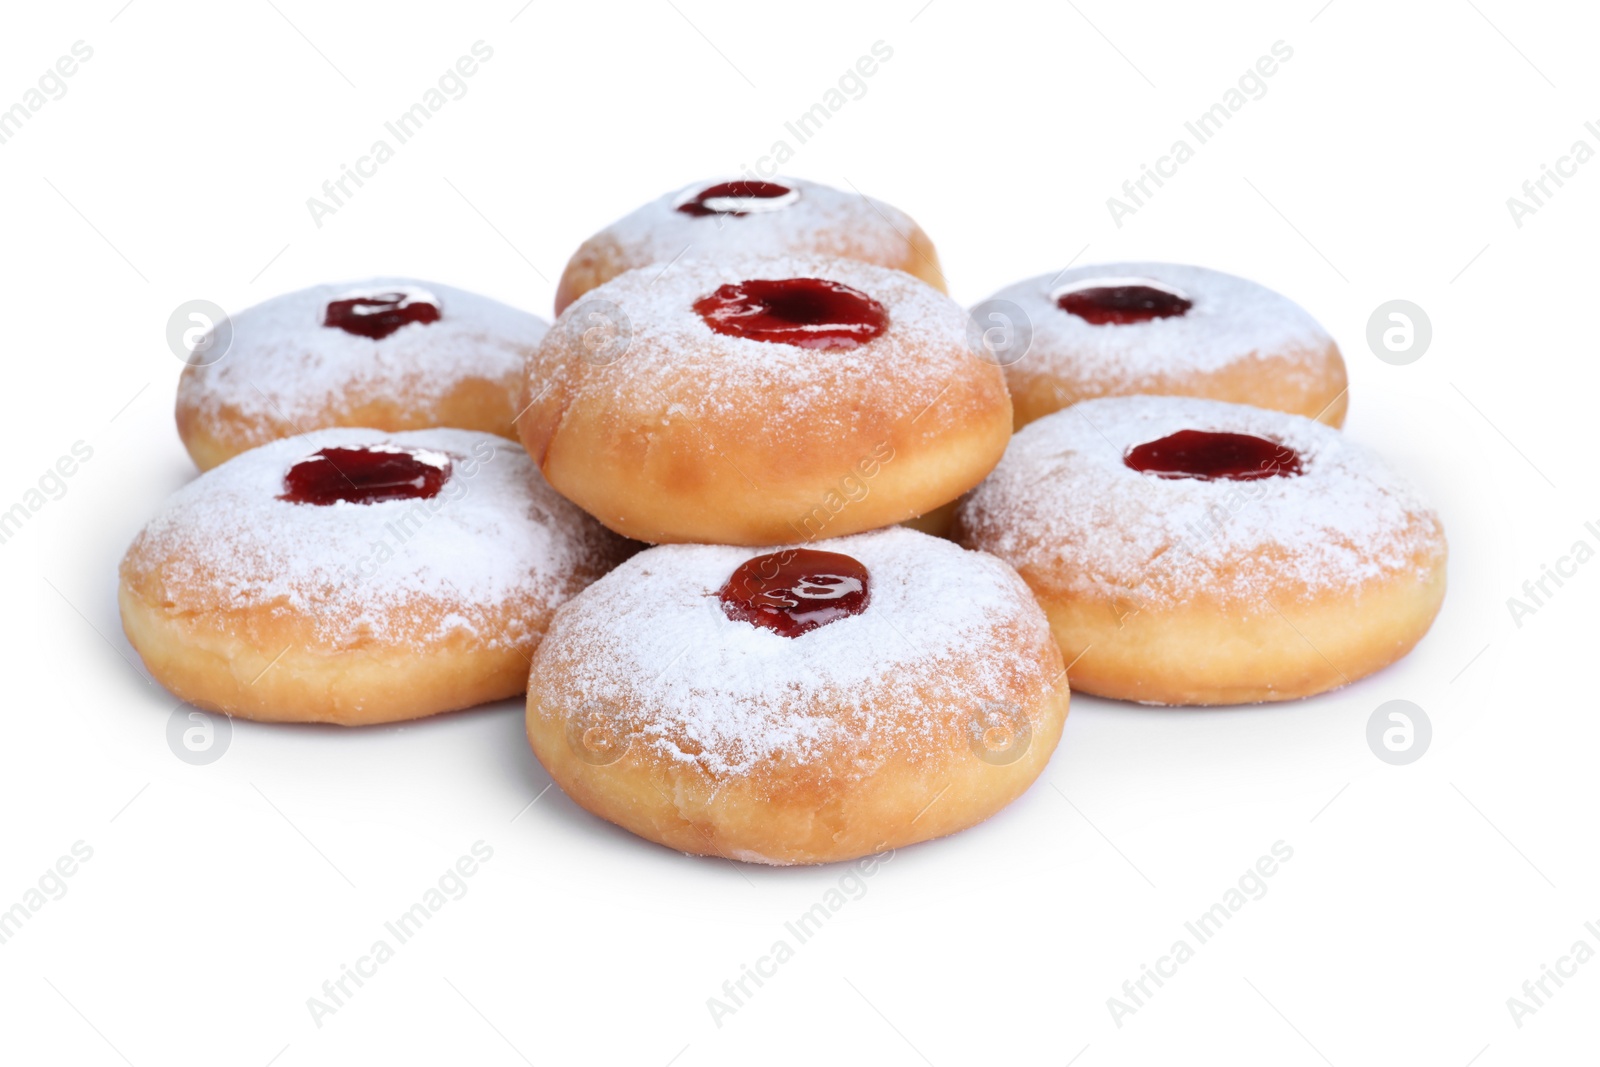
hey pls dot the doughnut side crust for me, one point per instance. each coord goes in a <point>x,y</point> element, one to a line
<point>814,749</point>
<point>226,663</point>
<point>215,433</point>
<point>1184,591</point>
<point>692,436</point>
<point>1309,382</point>
<point>285,373</point>
<point>1240,343</point>
<point>822,222</point>
<point>1207,652</point>
<point>356,613</point>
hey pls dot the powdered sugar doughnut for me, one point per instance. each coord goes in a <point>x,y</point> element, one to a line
<point>762,401</point>
<point>391,353</point>
<point>1162,328</point>
<point>429,596</point>
<point>783,216</point>
<point>919,694</point>
<point>1274,561</point>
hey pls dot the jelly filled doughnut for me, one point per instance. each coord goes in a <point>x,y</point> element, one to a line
<point>354,576</point>
<point>1159,328</point>
<point>795,705</point>
<point>784,216</point>
<point>1189,551</point>
<point>762,401</point>
<point>390,353</point>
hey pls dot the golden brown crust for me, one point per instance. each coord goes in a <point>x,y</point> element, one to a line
<point>1310,383</point>
<point>692,436</point>
<point>1202,591</point>
<point>1235,341</point>
<point>602,257</point>
<point>823,222</point>
<point>214,436</point>
<point>241,602</point>
<point>922,261</point>
<point>811,814</point>
<point>837,744</point>
<point>256,665</point>
<point>1214,650</point>
<point>284,372</point>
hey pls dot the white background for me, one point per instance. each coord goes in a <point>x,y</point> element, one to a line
<point>1377,166</point>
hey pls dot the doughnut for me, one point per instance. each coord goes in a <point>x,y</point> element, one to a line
<point>786,216</point>
<point>1190,551</point>
<point>793,705</point>
<point>762,401</point>
<point>389,353</point>
<point>1160,328</point>
<point>354,576</point>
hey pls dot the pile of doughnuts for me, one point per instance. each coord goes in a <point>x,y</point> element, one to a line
<point>416,500</point>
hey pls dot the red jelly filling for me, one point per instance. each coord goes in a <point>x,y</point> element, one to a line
<point>809,312</point>
<point>366,475</point>
<point>795,591</point>
<point>1121,305</point>
<point>738,198</point>
<point>379,314</point>
<point>1238,457</point>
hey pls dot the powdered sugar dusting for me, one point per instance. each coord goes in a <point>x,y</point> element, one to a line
<point>945,631</point>
<point>284,364</point>
<point>495,536</point>
<point>1232,319</point>
<point>1063,504</point>
<point>678,365</point>
<point>821,221</point>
